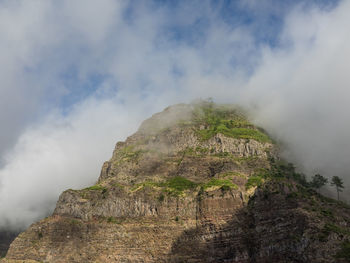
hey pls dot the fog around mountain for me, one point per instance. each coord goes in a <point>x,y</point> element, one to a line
<point>79,76</point>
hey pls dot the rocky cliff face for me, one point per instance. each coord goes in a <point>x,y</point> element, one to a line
<point>196,183</point>
<point>6,237</point>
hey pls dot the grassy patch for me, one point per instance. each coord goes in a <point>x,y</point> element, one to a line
<point>231,175</point>
<point>227,121</point>
<point>189,152</point>
<point>196,152</point>
<point>254,181</point>
<point>224,154</point>
<point>87,194</point>
<point>331,228</point>
<point>344,251</point>
<point>179,184</point>
<point>327,213</point>
<point>239,133</point>
<point>128,154</point>
<point>114,220</point>
<point>280,171</point>
<point>96,188</point>
<point>145,184</point>
<point>174,186</point>
<point>339,204</point>
<point>202,150</point>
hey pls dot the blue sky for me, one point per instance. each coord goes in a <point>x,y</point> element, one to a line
<point>77,76</point>
<point>264,20</point>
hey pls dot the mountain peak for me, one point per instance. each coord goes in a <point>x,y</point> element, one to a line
<point>195,183</point>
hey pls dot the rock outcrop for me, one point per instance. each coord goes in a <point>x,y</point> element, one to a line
<point>196,183</point>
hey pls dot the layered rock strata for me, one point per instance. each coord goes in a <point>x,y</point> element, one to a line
<point>196,183</point>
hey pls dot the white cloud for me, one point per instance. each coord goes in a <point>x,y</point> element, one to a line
<point>303,91</point>
<point>61,152</point>
<point>299,90</point>
<point>92,20</point>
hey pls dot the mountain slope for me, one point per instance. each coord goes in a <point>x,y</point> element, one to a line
<point>6,237</point>
<point>196,183</point>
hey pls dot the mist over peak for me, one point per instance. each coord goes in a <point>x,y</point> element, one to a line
<point>78,77</point>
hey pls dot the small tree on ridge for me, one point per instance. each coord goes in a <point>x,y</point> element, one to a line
<point>338,183</point>
<point>318,181</point>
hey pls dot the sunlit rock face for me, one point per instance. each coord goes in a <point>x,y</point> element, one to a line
<point>196,183</point>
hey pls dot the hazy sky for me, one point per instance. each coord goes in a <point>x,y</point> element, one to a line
<point>77,76</point>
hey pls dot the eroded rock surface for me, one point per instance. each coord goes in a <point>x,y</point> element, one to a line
<point>196,183</point>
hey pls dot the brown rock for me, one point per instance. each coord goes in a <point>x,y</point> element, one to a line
<point>167,195</point>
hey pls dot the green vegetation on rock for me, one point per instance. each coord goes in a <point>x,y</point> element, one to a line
<point>226,120</point>
<point>128,154</point>
<point>96,188</point>
<point>254,181</point>
<point>174,186</point>
<point>75,222</point>
<point>279,171</point>
<point>344,252</point>
<point>114,220</point>
<point>331,228</point>
<point>231,175</point>
<point>86,193</point>
<point>179,184</point>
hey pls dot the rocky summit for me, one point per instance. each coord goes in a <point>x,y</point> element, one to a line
<point>195,183</point>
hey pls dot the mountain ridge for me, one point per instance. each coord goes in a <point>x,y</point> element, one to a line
<point>195,183</point>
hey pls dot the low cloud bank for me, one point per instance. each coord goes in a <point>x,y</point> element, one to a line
<point>79,77</point>
<point>62,152</point>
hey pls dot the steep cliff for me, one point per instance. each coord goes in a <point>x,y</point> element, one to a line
<point>196,183</point>
<point>6,237</point>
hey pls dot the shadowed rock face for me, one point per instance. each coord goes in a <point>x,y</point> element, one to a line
<point>196,183</point>
<point>6,237</point>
